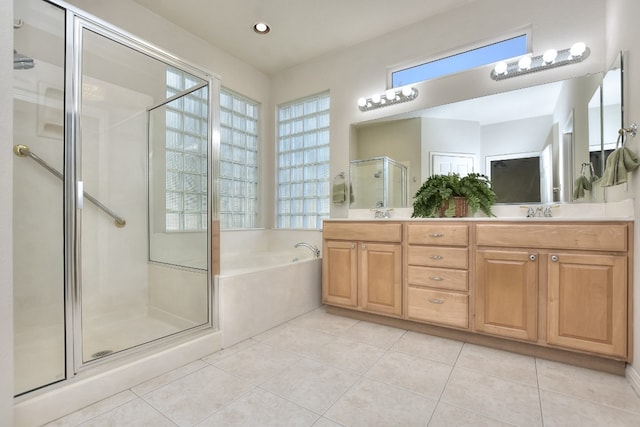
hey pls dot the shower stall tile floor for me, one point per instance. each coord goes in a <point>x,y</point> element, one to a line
<point>324,370</point>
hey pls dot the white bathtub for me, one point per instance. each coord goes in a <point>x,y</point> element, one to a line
<point>258,290</point>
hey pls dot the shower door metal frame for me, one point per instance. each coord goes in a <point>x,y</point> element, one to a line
<point>76,22</point>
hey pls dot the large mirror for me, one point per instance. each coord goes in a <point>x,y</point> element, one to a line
<point>531,142</point>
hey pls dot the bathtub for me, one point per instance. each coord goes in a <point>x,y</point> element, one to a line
<point>262,288</point>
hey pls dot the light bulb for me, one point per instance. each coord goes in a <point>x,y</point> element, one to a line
<point>390,94</point>
<point>549,56</point>
<point>261,28</point>
<point>375,99</point>
<point>407,91</point>
<point>577,49</point>
<point>524,63</point>
<point>362,102</point>
<point>500,68</point>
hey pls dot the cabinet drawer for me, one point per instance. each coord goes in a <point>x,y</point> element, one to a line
<point>435,256</point>
<point>447,308</point>
<point>602,237</point>
<point>438,234</point>
<point>368,230</point>
<point>444,278</point>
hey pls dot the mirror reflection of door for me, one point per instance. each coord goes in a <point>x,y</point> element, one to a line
<point>448,163</point>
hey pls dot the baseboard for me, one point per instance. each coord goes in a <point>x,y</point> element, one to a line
<point>634,378</point>
<point>603,364</point>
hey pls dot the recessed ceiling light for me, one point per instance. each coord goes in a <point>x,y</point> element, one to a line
<point>261,28</point>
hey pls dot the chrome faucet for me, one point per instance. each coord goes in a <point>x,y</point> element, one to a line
<point>312,248</point>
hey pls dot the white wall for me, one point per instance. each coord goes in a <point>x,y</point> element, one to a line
<point>6,208</point>
<point>623,34</point>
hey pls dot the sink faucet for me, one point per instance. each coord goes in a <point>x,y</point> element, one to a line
<point>382,213</point>
<point>539,211</point>
<point>312,248</point>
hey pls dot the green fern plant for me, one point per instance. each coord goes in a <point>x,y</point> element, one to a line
<point>439,190</point>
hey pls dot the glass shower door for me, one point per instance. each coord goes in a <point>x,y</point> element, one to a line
<point>38,235</point>
<point>128,298</point>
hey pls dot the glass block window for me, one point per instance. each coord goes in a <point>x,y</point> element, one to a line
<point>186,154</point>
<point>467,60</point>
<point>303,163</point>
<point>238,161</point>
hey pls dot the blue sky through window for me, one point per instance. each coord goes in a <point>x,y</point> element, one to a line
<point>462,61</point>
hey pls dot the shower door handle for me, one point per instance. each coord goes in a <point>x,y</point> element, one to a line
<point>80,195</point>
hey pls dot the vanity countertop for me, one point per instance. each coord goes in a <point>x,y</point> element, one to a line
<point>613,211</point>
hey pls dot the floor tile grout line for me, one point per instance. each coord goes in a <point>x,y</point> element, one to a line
<point>593,402</point>
<point>446,383</point>
<point>535,364</point>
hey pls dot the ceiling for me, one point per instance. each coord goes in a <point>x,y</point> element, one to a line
<point>301,30</point>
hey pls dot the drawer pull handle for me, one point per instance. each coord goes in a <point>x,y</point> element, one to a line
<point>436,278</point>
<point>437,257</point>
<point>437,235</point>
<point>436,301</point>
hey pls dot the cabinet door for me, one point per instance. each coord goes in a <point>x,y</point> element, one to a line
<point>381,278</point>
<point>340,273</point>
<point>506,293</point>
<point>587,302</point>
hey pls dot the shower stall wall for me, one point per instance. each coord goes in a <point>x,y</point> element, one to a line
<point>114,144</point>
<point>378,182</point>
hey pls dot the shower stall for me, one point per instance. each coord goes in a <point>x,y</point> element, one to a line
<point>113,154</point>
<point>378,182</point>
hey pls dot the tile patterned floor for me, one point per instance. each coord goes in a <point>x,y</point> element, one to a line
<point>323,370</point>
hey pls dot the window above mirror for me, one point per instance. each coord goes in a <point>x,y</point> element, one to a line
<point>466,60</point>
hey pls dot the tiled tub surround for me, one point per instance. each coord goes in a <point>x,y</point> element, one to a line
<point>324,370</point>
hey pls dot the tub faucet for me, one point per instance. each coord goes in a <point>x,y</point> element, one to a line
<point>312,248</point>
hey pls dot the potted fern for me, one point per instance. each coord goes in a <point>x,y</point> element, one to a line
<point>453,196</point>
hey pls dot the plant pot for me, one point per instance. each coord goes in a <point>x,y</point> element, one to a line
<point>460,207</point>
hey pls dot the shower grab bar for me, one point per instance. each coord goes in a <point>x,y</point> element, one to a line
<point>21,150</point>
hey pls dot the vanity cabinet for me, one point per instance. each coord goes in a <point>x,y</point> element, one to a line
<point>362,266</point>
<point>557,285</point>
<point>438,274</point>
<point>569,279</point>
<point>586,302</point>
<point>506,289</point>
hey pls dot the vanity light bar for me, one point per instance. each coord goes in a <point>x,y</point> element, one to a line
<point>389,97</point>
<point>550,59</point>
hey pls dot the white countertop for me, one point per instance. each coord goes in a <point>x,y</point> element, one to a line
<point>614,211</point>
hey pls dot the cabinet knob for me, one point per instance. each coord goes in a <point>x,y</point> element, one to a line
<point>436,278</point>
<point>532,257</point>
<point>554,258</point>
<point>363,247</point>
<point>436,257</point>
<point>437,235</point>
<point>436,301</point>
<point>353,246</point>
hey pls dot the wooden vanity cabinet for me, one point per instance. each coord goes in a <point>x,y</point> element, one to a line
<point>555,284</point>
<point>506,295</point>
<point>438,273</point>
<point>578,272</point>
<point>586,302</point>
<point>362,266</point>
